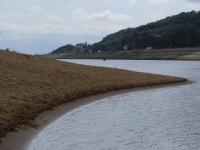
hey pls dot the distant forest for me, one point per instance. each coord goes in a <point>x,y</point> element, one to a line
<point>179,31</point>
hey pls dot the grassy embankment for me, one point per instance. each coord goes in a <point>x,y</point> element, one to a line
<point>154,54</point>
<point>30,85</point>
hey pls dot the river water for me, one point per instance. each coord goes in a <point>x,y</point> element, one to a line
<point>166,118</point>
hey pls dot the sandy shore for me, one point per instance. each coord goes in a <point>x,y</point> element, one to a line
<point>22,137</point>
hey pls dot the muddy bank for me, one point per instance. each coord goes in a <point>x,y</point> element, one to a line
<point>31,85</point>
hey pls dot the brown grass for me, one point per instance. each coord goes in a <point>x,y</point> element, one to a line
<point>30,85</point>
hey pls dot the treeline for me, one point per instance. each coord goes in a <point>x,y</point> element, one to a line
<point>182,30</point>
<point>80,47</point>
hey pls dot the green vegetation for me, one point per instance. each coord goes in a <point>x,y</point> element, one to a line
<point>80,47</point>
<point>179,31</point>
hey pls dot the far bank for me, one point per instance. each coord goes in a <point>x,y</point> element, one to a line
<point>148,54</point>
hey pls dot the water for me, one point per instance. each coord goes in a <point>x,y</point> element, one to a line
<point>155,119</point>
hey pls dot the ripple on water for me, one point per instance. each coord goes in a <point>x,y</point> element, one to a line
<point>155,119</point>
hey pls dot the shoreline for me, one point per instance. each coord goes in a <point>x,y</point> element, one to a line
<point>105,59</point>
<point>187,54</point>
<point>22,137</point>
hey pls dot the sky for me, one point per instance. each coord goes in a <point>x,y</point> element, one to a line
<point>40,26</point>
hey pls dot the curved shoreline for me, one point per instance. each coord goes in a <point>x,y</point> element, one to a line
<point>22,137</point>
<point>31,85</point>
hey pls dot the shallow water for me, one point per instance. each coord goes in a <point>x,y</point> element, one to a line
<point>155,119</point>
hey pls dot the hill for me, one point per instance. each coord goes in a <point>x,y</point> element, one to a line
<point>31,85</point>
<point>179,31</point>
<point>182,30</point>
<point>80,47</point>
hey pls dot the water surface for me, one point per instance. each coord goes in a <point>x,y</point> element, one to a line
<point>154,119</point>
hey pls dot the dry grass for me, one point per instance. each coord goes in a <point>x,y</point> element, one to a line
<point>30,85</point>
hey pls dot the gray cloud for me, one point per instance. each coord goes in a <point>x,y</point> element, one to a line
<point>193,0</point>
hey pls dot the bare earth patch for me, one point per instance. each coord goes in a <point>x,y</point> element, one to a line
<point>30,85</point>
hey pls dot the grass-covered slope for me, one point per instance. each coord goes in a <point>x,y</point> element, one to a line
<point>30,85</point>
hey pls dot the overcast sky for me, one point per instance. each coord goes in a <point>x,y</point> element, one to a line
<point>39,26</point>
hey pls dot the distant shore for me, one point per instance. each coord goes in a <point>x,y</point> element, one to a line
<point>150,54</point>
<point>31,85</point>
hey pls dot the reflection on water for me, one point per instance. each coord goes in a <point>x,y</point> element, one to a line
<point>155,119</point>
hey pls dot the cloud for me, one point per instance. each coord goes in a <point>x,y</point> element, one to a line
<point>77,23</point>
<point>35,8</point>
<point>133,2</point>
<point>193,0</point>
<point>104,16</point>
<point>159,1</point>
<point>192,5</point>
<point>99,23</point>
